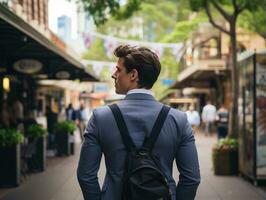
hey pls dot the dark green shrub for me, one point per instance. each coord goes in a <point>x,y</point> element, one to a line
<point>9,137</point>
<point>65,127</point>
<point>227,143</point>
<point>36,131</point>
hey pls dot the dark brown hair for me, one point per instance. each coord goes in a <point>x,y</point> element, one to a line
<point>143,60</point>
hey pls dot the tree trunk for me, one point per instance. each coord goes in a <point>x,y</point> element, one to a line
<point>220,93</point>
<point>233,124</point>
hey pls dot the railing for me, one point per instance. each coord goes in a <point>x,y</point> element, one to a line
<point>210,62</point>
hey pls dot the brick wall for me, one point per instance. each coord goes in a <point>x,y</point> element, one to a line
<point>35,10</point>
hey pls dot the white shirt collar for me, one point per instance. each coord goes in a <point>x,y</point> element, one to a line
<point>142,91</point>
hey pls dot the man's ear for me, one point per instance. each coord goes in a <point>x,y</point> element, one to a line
<point>134,75</point>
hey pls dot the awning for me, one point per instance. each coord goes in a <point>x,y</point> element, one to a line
<point>67,84</point>
<point>23,46</point>
<point>100,95</point>
<point>178,101</point>
<point>201,74</point>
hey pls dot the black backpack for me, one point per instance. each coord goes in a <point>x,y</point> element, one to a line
<point>143,178</point>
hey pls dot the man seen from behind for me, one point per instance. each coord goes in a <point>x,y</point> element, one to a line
<point>137,70</point>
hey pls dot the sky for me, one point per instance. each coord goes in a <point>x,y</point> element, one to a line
<point>57,8</point>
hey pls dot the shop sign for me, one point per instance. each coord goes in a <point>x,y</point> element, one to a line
<point>62,75</point>
<point>27,66</point>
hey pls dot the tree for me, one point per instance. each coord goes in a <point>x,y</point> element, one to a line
<point>229,10</point>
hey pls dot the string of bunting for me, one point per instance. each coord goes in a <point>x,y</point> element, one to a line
<point>98,66</point>
<point>111,42</point>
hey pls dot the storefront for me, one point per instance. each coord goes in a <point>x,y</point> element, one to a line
<point>204,81</point>
<point>27,56</point>
<point>252,115</point>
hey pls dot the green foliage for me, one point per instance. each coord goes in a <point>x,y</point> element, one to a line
<point>105,74</point>
<point>155,20</point>
<point>183,29</point>
<point>127,11</point>
<point>196,5</point>
<point>100,10</point>
<point>227,143</point>
<point>9,137</point>
<point>65,127</point>
<point>96,52</point>
<point>254,21</point>
<point>159,88</point>
<point>169,65</point>
<point>36,131</point>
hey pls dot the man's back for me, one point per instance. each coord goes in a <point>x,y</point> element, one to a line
<point>140,112</point>
<point>137,70</point>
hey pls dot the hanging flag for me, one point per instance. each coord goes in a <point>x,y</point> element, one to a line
<point>177,51</point>
<point>88,39</point>
<point>109,46</point>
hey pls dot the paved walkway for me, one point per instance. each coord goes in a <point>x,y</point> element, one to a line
<point>59,181</point>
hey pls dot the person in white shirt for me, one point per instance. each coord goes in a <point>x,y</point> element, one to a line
<point>193,116</point>
<point>208,116</point>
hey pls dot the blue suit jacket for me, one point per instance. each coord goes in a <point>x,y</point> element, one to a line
<point>175,142</point>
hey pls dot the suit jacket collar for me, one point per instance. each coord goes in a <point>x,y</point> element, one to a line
<point>139,96</point>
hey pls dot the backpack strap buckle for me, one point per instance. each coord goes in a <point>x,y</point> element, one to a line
<point>143,152</point>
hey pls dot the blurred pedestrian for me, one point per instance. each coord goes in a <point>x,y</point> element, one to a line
<point>222,122</point>
<point>208,117</point>
<point>70,113</point>
<point>82,117</point>
<point>193,116</point>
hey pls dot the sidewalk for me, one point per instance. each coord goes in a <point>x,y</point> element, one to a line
<point>59,181</point>
<point>221,187</point>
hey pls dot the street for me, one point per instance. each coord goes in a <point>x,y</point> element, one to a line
<point>59,181</point>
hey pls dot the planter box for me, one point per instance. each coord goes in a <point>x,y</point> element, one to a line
<point>63,144</point>
<point>225,161</point>
<point>36,154</point>
<point>10,166</point>
<point>41,154</point>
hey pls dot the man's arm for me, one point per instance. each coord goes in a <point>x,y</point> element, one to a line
<point>89,162</point>
<point>187,163</point>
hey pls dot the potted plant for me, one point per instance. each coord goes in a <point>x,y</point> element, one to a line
<point>225,157</point>
<point>10,140</point>
<point>37,132</point>
<point>64,132</point>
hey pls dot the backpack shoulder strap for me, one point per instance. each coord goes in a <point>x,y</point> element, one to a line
<point>122,128</point>
<point>150,141</point>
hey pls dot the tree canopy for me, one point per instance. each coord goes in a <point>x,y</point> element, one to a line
<point>254,21</point>
<point>101,10</point>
